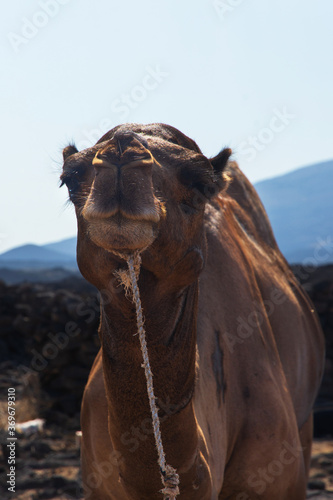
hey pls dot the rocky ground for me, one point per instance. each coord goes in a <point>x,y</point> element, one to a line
<point>48,468</point>
<point>321,475</point>
<point>48,341</point>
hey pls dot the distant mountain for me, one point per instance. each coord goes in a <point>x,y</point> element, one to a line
<point>32,252</point>
<point>67,247</point>
<point>34,257</point>
<point>300,207</point>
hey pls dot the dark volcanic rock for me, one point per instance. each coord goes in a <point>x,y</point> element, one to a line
<point>49,333</point>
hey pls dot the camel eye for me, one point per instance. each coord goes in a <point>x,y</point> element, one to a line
<point>196,177</point>
<point>72,181</point>
<point>187,208</point>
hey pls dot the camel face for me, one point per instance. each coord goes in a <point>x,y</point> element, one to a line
<point>139,184</point>
<point>121,210</point>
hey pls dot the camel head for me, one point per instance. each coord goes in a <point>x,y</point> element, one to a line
<point>142,188</point>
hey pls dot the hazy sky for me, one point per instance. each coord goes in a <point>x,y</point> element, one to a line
<point>255,75</point>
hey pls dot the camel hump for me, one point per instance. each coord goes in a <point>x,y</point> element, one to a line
<point>252,216</point>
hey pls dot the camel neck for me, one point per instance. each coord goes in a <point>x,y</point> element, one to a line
<point>171,340</point>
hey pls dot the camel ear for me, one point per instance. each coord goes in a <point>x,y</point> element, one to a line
<point>208,180</point>
<point>69,151</point>
<point>220,161</point>
<point>219,164</point>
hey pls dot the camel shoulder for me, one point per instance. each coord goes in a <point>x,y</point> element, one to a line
<point>239,212</point>
<point>248,207</point>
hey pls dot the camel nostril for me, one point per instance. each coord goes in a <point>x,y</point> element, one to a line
<point>98,162</point>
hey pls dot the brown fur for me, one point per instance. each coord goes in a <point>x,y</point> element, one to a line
<point>234,344</point>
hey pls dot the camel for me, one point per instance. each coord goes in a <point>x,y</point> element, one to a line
<point>235,345</point>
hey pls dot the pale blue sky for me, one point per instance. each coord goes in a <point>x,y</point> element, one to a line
<point>255,75</point>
